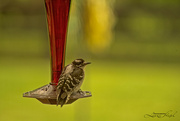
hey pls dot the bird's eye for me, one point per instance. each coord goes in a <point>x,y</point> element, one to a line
<point>78,63</point>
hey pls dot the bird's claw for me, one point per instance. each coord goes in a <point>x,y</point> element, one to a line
<point>80,91</point>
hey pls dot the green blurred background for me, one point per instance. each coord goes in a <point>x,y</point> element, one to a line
<point>134,48</point>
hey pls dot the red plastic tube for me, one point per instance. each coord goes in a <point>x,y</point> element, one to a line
<point>57,16</point>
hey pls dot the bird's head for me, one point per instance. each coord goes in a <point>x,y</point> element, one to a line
<point>80,63</point>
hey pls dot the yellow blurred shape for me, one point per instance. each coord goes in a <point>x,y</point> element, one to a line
<point>99,21</point>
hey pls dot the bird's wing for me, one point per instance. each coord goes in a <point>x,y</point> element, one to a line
<point>66,85</point>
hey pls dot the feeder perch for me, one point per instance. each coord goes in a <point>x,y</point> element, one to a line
<point>57,16</point>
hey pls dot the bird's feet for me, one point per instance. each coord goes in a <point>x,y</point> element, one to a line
<point>81,92</point>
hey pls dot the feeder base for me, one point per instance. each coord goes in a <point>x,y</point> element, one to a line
<point>47,95</point>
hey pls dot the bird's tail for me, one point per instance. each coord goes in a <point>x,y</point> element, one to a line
<point>62,98</point>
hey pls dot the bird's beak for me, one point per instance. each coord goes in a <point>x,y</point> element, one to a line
<point>86,63</point>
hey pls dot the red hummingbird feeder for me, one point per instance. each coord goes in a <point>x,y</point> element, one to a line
<point>57,16</point>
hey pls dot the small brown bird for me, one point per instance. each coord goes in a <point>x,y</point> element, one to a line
<point>70,80</point>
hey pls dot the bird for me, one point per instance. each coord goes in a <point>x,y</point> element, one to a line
<point>70,80</point>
